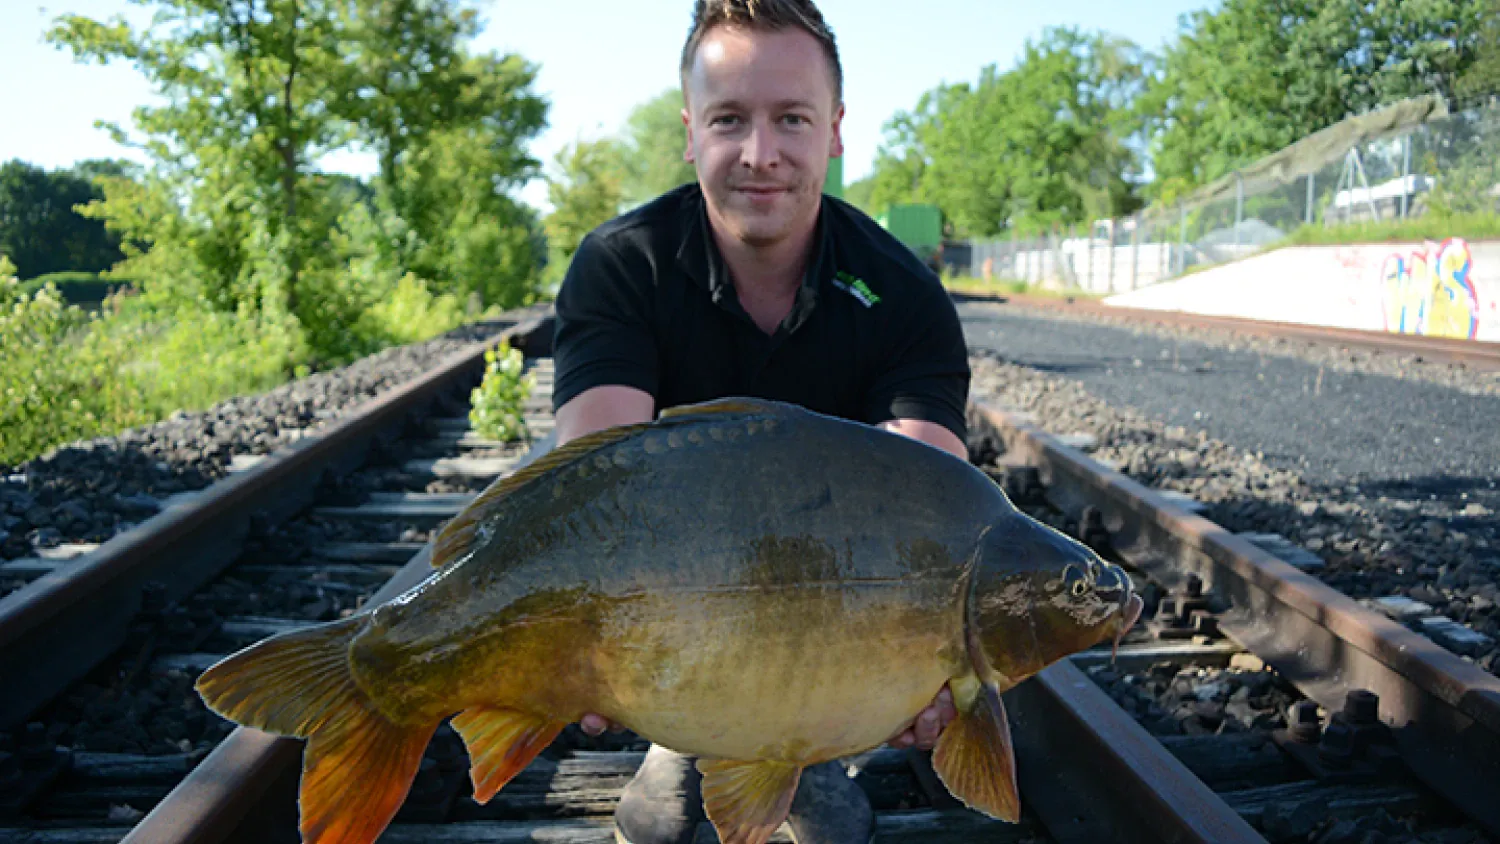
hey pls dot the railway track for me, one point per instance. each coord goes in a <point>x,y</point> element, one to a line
<point>1476,355</point>
<point>1135,750</point>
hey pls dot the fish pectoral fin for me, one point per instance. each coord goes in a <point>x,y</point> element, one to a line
<point>974,757</point>
<point>501,743</point>
<point>358,764</point>
<point>747,801</point>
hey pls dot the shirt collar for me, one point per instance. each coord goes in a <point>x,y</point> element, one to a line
<point>699,258</point>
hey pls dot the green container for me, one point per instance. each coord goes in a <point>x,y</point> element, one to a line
<point>920,227</point>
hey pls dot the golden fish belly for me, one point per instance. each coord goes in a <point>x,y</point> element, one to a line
<point>800,673</point>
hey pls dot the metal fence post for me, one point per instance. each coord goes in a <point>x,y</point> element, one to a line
<point>1135,251</point>
<point>1089,233</point>
<point>1239,209</point>
<point>1406,179</point>
<point>1110,259</point>
<point>1181,240</point>
<point>1309,216</point>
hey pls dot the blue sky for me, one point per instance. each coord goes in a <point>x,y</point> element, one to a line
<point>599,58</point>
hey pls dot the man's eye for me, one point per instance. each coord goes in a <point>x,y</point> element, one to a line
<point>724,120</point>
<point>796,120</point>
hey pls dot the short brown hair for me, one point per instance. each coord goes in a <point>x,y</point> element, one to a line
<point>763,15</point>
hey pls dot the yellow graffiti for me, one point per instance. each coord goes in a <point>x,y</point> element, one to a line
<point>1431,292</point>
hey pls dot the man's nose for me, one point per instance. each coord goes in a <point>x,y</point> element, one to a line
<point>760,151</point>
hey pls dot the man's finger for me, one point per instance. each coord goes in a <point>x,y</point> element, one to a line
<point>902,741</point>
<point>593,724</point>
<point>946,710</point>
<point>926,728</point>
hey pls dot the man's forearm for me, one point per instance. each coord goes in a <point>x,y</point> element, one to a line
<point>598,408</point>
<point>929,432</point>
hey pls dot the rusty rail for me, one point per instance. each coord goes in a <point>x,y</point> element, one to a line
<point>56,629</point>
<point>1444,712</point>
<point>1474,353</point>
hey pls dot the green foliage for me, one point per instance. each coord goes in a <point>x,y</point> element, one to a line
<point>1252,76</point>
<point>1432,226</point>
<point>652,149</point>
<point>1043,144</point>
<point>586,189</point>
<point>234,212</point>
<point>861,194</point>
<point>496,404</point>
<point>39,228</point>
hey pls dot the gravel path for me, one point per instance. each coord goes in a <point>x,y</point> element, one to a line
<point>87,492</point>
<point>1391,480</point>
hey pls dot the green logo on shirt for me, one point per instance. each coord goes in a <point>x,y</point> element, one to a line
<point>855,287</point>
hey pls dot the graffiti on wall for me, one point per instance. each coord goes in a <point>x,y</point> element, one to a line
<point>1431,291</point>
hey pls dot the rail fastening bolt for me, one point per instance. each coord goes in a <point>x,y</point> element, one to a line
<point>1362,707</point>
<point>1303,721</point>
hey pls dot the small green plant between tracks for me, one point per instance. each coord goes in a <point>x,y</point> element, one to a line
<point>496,404</point>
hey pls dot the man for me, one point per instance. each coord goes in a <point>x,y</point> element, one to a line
<point>751,283</point>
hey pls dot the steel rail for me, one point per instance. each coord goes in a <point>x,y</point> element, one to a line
<point>231,784</point>
<point>1478,354</point>
<point>1445,712</point>
<point>56,629</point>
<point>1075,748</point>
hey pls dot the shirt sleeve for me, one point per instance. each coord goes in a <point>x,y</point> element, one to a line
<point>926,375</point>
<point>603,330</point>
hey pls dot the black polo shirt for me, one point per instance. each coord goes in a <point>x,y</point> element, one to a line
<point>648,303</point>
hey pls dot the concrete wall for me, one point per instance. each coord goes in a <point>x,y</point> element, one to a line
<point>1448,289</point>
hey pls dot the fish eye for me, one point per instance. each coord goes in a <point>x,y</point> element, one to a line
<point>1080,587</point>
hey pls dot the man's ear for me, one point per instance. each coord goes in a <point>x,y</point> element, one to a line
<point>687,121</point>
<point>836,142</point>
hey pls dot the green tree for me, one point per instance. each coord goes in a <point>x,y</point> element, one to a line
<point>860,192</point>
<point>40,228</point>
<point>1481,80</point>
<point>652,148</point>
<point>243,115</point>
<point>586,188</point>
<point>1044,143</point>
<point>1252,76</point>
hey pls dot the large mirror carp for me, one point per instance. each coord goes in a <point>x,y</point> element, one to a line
<point>745,581</point>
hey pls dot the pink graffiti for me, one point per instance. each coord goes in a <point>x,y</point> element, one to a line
<point>1431,291</point>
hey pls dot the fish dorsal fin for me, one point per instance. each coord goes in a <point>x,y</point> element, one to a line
<point>456,537</point>
<point>737,404</point>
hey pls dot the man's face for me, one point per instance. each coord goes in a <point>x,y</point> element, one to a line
<point>761,126</point>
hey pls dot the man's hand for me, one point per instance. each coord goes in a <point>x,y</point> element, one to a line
<point>923,731</point>
<point>595,725</point>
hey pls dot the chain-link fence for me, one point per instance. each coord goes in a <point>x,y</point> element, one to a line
<point>1396,164</point>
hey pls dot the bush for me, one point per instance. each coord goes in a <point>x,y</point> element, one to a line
<point>496,403</point>
<point>58,383</point>
<point>77,288</point>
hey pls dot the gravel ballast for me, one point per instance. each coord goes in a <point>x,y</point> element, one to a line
<point>87,492</point>
<point>1391,481</point>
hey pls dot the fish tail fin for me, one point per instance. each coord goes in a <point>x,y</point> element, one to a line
<point>358,765</point>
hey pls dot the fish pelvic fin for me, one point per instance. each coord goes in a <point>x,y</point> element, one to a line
<point>974,757</point>
<point>747,801</point>
<point>358,765</point>
<point>501,743</point>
